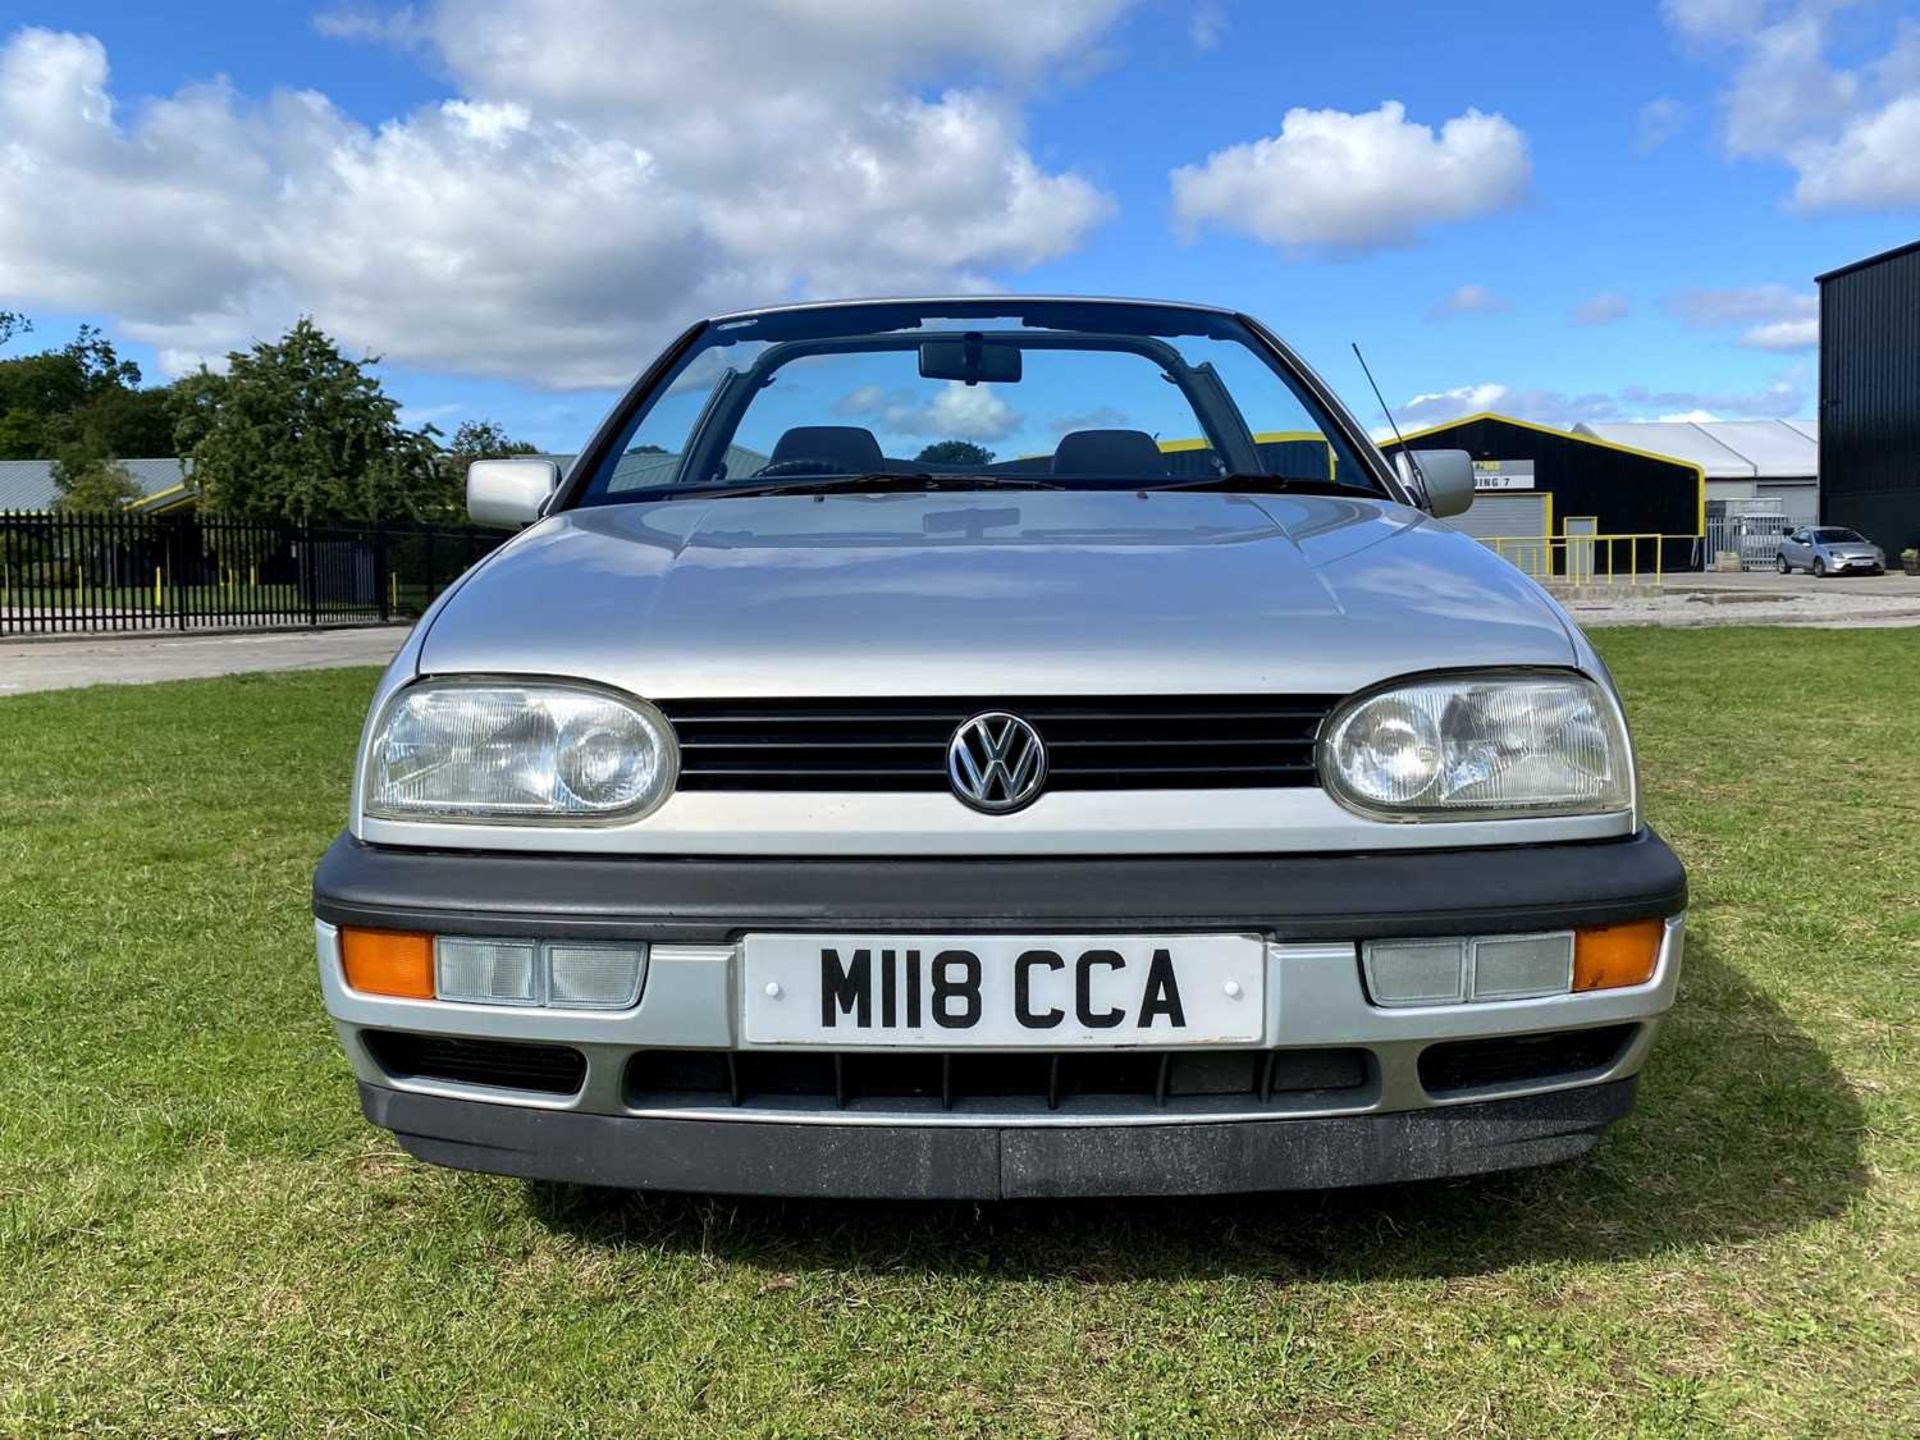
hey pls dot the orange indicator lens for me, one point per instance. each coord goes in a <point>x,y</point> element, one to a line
<point>388,962</point>
<point>1610,956</point>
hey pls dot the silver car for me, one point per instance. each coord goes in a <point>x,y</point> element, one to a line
<point>1829,550</point>
<point>993,747</point>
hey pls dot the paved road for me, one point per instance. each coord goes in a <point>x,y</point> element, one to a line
<point>141,659</point>
<point>1799,583</point>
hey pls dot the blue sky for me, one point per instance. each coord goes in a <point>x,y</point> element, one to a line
<point>518,201</point>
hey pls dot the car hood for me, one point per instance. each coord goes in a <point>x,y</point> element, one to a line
<point>992,594</point>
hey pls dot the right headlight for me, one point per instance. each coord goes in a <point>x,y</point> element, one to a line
<point>512,750</point>
<point>1479,747</point>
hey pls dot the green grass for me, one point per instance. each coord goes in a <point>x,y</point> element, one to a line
<point>198,1234</point>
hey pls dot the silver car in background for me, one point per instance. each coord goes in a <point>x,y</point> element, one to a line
<point>993,747</point>
<point>1829,550</point>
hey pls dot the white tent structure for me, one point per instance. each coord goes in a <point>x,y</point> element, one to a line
<point>1776,461</point>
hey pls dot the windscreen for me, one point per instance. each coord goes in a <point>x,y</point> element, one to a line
<point>1080,394</point>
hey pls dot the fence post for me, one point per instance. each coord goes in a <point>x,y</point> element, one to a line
<point>311,570</point>
<point>173,578</point>
<point>380,572</point>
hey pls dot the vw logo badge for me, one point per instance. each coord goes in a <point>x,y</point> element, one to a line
<point>996,763</point>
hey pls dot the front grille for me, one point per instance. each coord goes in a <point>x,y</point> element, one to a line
<point>933,1081</point>
<point>1520,1059</point>
<point>1138,743</point>
<point>550,1069</point>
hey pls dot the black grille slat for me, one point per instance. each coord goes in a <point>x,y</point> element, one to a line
<point>1520,1059</point>
<point>948,1080</point>
<point>508,1065</point>
<point>1150,742</point>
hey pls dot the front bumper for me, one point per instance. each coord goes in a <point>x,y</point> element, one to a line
<point>1394,1122</point>
<point>993,1162</point>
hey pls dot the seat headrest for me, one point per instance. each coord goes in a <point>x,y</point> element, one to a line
<point>850,448</point>
<point>1128,454</point>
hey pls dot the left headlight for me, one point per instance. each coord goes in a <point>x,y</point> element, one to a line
<point>513,750</point>
<point>1479,747</point>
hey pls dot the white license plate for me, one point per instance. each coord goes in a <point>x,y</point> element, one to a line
<point>1004,991</point>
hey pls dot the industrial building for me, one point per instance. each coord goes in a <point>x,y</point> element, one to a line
<point>1870,398</point>
<point>1561,505</point>
<point>164,484</point>
<point>1763,476</point>
<point>1775,460</point>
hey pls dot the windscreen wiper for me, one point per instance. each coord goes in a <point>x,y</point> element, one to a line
<point>876,482</point>
<point>1246,483</point>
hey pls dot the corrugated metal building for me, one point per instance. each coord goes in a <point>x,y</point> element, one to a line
<point>28,484</point>
<point>1870,398</point>
<point>1763,476</point>
<point>1554,486</point>
<point>1776,460</point>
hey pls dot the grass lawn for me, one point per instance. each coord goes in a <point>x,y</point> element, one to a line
<point>199,1235</point>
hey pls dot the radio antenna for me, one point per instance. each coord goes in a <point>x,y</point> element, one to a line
<point>1398,439</point>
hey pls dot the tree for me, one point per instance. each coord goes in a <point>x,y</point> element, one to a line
<point>297,431</point>
<point>478,440</point>
<point>92,482</point>
<point>195,400</point>
<point>486,440</point>
<point>83,393</point>
<point>13,323</point>
<point>955,452</point>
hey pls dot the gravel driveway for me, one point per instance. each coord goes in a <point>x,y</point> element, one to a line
<point>1762,598</point>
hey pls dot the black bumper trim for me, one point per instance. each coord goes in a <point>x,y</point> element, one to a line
<point>1294,897</point>
<point>751,1157</point>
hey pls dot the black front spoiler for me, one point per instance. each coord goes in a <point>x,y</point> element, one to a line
<point>757,1157</point>
<point>1290,897</point>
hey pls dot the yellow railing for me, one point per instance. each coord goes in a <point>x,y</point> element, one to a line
<point>1590,559</point>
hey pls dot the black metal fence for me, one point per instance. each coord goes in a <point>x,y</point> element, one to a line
<point>79,573</point>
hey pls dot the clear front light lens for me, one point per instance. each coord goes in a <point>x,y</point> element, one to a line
<point>1480,746</point>
<point>484,750</point>
<point>487,972</point>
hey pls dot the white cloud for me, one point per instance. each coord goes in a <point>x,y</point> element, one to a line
<point>1785,395</point>
<point>1331,180</point>
<point>589,188</point>
<point>1659,121</point>
<point>1714,20</point>
<point>1852,136</point>
<point>1100,417</point>
<point>1207,24</point>
<point>1689,417</point>
<point>1771,317</point>
<point>970,413</point>
<point>957,412</point>
<point>398,26</point>
<point>1875,164</point>
<point>1545,407</point>
<point>1801,334</point>
<point>1603,308</point>
<point>1468,300</point>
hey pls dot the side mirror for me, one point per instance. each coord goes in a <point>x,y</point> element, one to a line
<point>508,494</point>
<point>1449,481</point>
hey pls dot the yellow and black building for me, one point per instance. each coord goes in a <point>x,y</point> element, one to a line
<point>1563,506</point>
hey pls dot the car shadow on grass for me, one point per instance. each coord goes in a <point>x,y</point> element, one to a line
<point>1744,1128</point>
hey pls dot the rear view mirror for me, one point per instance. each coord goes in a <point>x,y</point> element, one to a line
<point>1448,481</point>
<point>969,359</point>
<point>509,494</point>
